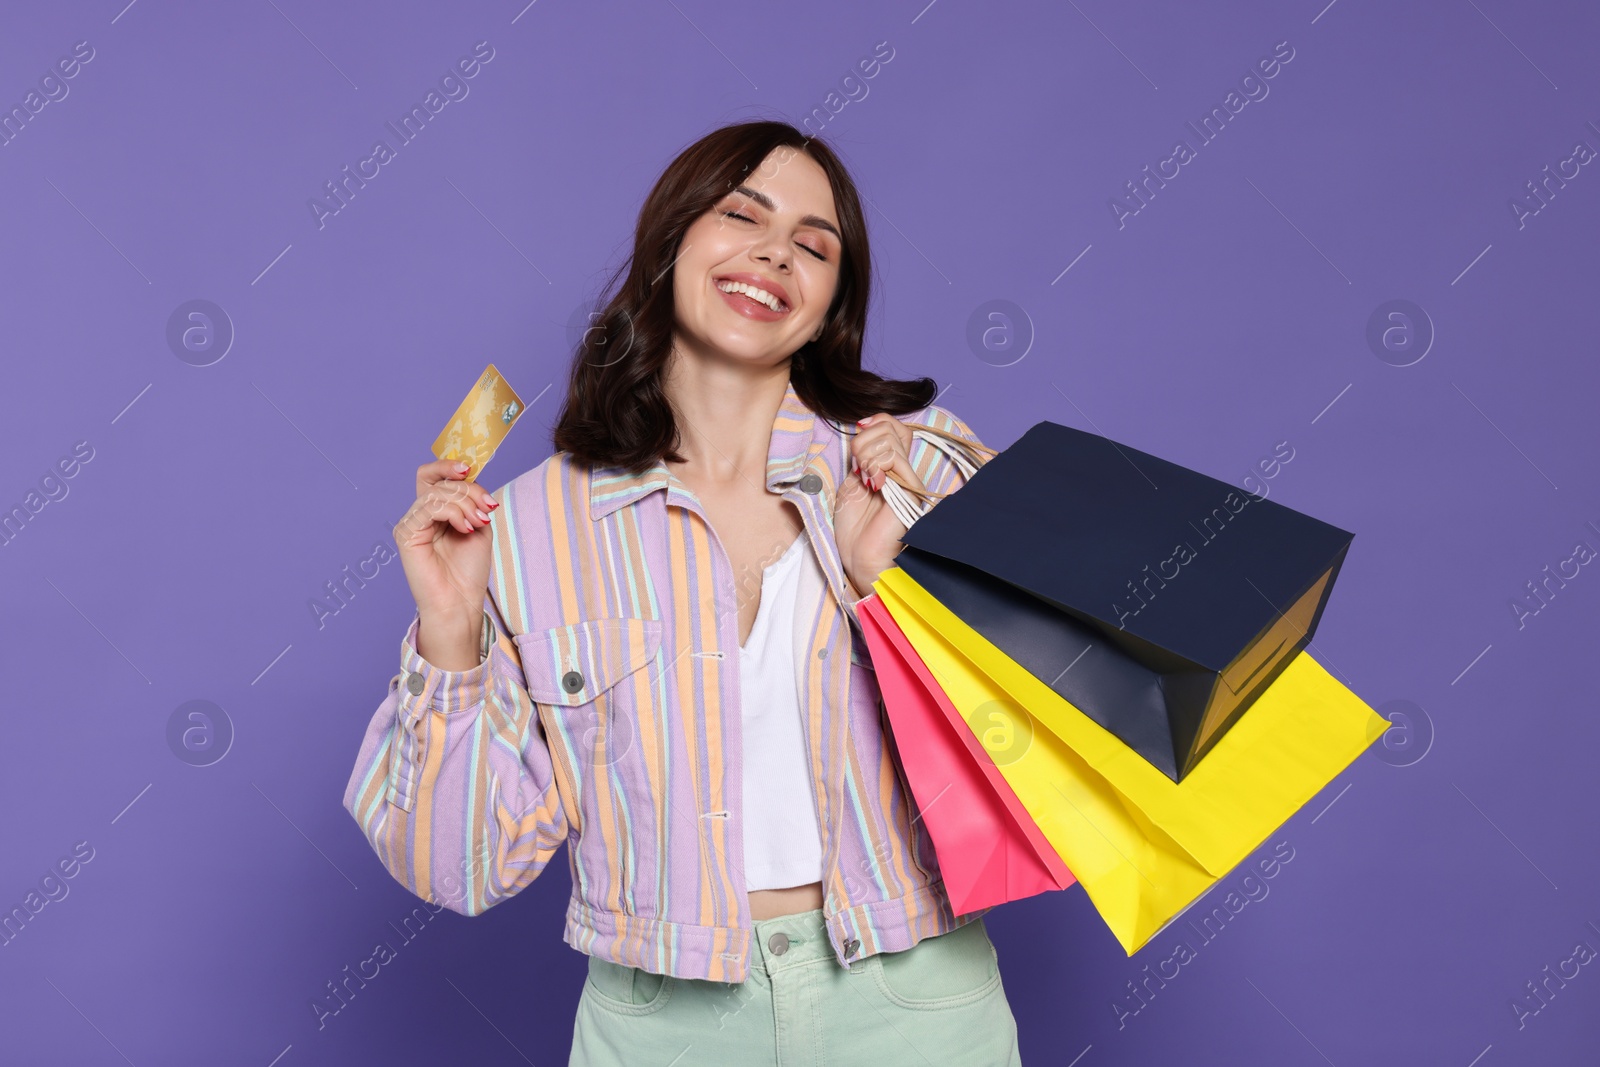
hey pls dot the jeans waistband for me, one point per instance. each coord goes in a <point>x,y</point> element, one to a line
<point>789,941</point>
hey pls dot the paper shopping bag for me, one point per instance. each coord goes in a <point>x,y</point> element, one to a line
<point>988,848</point>
<point>1189,595</point>
<point>1143,846</point>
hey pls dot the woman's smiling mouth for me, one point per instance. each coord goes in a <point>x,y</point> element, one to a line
<point>753,297</point>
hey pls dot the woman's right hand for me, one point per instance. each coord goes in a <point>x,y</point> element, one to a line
<point>445,544</point>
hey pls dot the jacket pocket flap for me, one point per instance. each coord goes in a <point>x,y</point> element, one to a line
<point>573,664</point>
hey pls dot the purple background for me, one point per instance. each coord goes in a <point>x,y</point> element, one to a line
<point>1429,883</point>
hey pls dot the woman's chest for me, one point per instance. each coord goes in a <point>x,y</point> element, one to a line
<point>630,631</point>
<point>681,566</point>
<point>755,529</point>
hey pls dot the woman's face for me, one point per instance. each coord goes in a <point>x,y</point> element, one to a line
<point>777,232</point>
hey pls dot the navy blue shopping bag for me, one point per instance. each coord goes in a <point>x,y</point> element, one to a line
<point>1159,601</point>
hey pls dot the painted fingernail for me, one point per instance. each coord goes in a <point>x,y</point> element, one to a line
<point>482,515</point>
<point>462,466</point>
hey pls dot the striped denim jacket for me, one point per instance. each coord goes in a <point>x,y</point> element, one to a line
<point>607,716</point>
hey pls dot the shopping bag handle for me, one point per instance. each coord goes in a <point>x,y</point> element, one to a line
<point>910,503</point>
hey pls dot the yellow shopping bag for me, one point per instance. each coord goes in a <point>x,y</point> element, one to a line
<point>1144,847</point>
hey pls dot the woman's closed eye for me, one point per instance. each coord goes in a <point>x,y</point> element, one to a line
<point>808,248</point>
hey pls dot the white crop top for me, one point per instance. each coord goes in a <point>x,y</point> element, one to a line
<point>782,839</point>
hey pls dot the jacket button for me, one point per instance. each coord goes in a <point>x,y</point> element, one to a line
<point>811,483</point>
<point>851,947</point>
<point>414,684</point>
<point>778,944</point>
<point>572,681</point>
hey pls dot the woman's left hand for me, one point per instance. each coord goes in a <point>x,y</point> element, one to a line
<point>864,525</point>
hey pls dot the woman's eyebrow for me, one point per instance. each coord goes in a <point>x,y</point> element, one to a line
<point>810,220</point>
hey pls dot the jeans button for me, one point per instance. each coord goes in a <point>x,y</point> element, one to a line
<point>851,947</point>
<point>811,483</point>
<point>414,684</point>
<point>778,944</point>
<point>572,681</point>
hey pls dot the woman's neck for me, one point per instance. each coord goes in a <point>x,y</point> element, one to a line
<point>725,415</point>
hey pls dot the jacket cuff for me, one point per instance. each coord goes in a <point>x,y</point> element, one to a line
<point>425,687</point>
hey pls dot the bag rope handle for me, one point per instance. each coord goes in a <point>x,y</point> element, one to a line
<point>909,503</point>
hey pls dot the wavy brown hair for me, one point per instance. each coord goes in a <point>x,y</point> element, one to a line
<point>616,412</point>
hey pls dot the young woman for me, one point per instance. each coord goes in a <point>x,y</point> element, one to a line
<point>646,648</point>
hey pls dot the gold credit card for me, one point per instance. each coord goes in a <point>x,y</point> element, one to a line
<point>480,423</point>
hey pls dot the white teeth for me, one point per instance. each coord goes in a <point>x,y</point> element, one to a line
<point>753,293</point>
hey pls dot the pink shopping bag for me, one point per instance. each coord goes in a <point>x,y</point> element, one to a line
<point>988,847</point>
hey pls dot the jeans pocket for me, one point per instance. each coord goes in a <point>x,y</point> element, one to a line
<point>626,990</point>
<point>943,971</point>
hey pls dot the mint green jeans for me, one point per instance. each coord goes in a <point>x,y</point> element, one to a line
<point>940,1002</point>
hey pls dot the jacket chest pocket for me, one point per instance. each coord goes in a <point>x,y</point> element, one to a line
<point>577,670</point>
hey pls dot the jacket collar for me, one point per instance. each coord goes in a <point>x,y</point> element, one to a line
<point>793,431</point>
